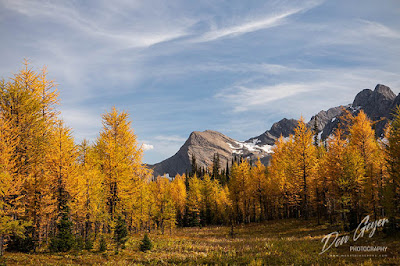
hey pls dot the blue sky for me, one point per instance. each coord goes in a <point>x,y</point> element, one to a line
<point>180,66</point>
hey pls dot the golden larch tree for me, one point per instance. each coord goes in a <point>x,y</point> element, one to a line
<point>305,156</point>
<point>27,103</point>
<point>120,161</point>
<point>10,185</point>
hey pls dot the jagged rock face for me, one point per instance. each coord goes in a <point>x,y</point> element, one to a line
<point>377,104</point>
<point>284,127</point>
<point>362,97</point>
<point>324,117</point>
<point>395,104</point>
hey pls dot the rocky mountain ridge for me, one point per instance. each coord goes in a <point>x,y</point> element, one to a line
<point>377,104</point>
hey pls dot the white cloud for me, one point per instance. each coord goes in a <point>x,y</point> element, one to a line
<point>121,35</point>
<point>244,98</point>
<point>374,28</point>
<point>144,54</point>
<point>178,69</point>
<point>147,147</point>
<point>246,27</point>
<point>251,24</point>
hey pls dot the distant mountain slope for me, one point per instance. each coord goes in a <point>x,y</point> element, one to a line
<point>284,127</point>
<point>204,145</point>
<point>377,104</point>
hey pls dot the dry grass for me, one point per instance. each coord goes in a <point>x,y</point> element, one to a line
<point>270,243</point>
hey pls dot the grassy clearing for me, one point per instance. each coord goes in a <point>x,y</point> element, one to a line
<point>272,243</point>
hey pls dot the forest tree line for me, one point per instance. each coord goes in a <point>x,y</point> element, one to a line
<point>55,193</point>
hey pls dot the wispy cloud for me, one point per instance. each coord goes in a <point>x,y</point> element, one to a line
<point>246,27</point>
<point>175,64</point>
<point>252,25</point>
<point>244,98</point>
<point>180,68</point>
<point>334,83</point>
<point>373,28</point>
<point>93,25</point>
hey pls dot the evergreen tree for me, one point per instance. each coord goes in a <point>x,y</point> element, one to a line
<point>102,244</point>
<point>64,240</point>
<point>187,180</point>
<point>146,244</point>
<point>120,232</point>
<point>194,170</point>
<point>227,172</point>
<point>216,167</point>
<point>316,131</point>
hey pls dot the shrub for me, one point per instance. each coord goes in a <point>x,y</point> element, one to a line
<point>103,244</point>
<point>79,244</point>
<point>146,244</point>
<point>21,243</point>
<point>88,243</point>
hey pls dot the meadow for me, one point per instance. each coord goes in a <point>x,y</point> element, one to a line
<point>279,242</point>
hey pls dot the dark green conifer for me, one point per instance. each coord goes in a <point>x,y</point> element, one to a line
<point>146,244</point>
<point>64,240</point>
<point>120,233</point>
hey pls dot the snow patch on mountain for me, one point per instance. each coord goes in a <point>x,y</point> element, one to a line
<point>245,147</point>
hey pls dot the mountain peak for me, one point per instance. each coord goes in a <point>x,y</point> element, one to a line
<point>283,127</point>
<point>199,137</point>
<point>369,98</point>
<point>385,91</point>
<point>202,144</point>
<point>362,97</point>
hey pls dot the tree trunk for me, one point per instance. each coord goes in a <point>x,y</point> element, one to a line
<point>1,245</point>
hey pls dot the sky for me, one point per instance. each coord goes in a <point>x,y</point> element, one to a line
<point>181,66</point>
